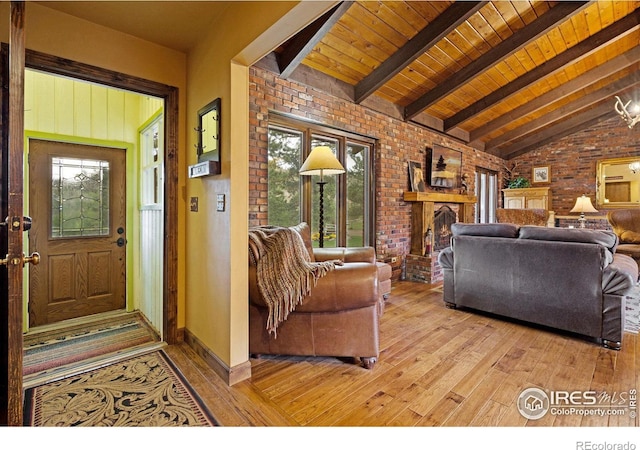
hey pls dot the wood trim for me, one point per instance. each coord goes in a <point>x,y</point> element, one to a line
<point>438,197</point>
<point>13,393</point>
<point>4,197</point>
<point>231,375</point>
<point>170,94</point>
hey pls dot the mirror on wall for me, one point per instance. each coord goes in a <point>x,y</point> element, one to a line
<point>618,183</point>
<point>208,147</point>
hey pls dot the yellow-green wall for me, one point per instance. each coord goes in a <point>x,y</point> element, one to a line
<point>67,110</point>
<point>212,247</point>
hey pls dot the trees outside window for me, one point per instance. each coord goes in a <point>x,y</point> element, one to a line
<point>349,217</point>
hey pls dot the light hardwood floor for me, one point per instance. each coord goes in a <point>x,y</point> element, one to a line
<point>437,367</point>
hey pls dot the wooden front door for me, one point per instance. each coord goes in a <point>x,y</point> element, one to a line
<point>77,203</point>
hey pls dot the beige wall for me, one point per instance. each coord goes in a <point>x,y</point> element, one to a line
<point>217,308</point>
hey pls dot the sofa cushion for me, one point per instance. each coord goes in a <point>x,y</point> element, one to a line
<point>304,231</point>
<point>605,238</point>
<point>507,230</point>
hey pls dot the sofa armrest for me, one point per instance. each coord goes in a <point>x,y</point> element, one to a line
<point>346,254</point>
<point>351,286</point>
<point>445,258</point>
<point>620,276</point>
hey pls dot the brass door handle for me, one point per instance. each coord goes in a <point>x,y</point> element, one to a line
<point>33,259</point>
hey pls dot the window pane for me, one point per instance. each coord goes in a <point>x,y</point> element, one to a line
<point>357,156</point>
<point>283,191</point>
<point>79,197</point>
<point>330,201</point>
<point>486,190</point>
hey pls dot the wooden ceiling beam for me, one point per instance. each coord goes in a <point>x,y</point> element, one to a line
<point>429,36</point>
<point>579,51</point>
<point>557,114</point>
<point>575,123</point>
<point>515,42</point>
<point>601,72</point>
<point>302,43</point>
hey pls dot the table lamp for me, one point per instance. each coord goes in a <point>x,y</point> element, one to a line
<point>583,205</point>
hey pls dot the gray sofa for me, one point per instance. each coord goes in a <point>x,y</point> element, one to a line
<point>567,279</point>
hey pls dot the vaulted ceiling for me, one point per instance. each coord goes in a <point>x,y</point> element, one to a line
<point>503,76</point>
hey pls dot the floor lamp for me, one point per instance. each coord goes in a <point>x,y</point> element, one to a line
<point>321,161</point>
<point>583,205</point>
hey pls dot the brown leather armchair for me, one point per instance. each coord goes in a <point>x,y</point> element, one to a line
<point>340,316</point>
<point>539,217</point>
<point>626,225</point>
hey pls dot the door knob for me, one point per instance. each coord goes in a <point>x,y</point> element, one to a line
<point>121,242</point>
<point>33,259</point>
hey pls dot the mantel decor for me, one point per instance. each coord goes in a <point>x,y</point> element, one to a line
<point>208,146</point>
<point>444,167</point>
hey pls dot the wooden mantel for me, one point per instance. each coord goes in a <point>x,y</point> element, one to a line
<point>422,214</point>
<point>438,197</point>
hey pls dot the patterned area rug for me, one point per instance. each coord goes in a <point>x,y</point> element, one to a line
<point>51,349</point>
<point>147,390</point>
<point>632,310</point>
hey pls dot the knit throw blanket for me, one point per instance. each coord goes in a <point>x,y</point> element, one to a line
<point>284,270</point>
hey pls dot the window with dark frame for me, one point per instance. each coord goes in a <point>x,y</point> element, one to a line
<point>349,202</point>
<point>486,191</point>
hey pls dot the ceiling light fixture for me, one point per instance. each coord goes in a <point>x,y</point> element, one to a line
<point>630,115</point>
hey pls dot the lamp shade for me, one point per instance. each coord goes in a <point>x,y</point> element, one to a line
<point>583,205</point>
<point>321,161</point>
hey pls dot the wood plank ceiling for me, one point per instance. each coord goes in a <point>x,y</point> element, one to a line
<point>504,76</point>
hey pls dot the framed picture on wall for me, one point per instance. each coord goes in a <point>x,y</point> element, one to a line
<point>416,177</point>
<point>444,167</point>
<point>541,174</point>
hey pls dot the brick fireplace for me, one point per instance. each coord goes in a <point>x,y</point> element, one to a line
<point>432,214</point>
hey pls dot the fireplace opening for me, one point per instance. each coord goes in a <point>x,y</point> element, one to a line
<point>442,221</point>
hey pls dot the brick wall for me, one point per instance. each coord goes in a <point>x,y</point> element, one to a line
<point>573,160</point>
<point>397,143</point>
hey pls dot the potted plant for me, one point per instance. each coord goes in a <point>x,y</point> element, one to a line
<point>519,182</point>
